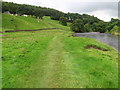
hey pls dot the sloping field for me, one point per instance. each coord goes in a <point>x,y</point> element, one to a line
<point>11,22</point>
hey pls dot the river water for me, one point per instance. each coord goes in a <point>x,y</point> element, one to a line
<point>109,39</point>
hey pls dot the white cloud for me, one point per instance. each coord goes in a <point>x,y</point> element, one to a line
<point>102,14</point>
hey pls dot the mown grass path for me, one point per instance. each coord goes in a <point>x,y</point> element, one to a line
<point>58,68</point>
<point>54,70</point>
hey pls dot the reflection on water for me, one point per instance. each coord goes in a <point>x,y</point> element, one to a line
<point>109,39</point>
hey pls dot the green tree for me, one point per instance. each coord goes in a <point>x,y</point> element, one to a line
<point>115,29</point>
<point>87,27</point>
<point>77,26</point>
<point>63,21</point>
<point>99,27</point>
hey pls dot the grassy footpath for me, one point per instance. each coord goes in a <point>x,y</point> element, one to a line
<point>53,59</point>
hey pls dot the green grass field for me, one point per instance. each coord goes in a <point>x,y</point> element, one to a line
<point>55,59</point>
<point>22,23</point>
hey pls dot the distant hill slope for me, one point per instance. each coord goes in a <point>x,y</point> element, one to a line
<point>11,22</point>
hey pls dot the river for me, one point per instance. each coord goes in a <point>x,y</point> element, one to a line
<point>109,39</point>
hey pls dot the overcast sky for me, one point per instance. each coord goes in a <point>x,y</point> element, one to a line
<point>103,9</point>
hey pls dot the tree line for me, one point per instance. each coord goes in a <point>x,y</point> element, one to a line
<point>36,11</point>
<point>80,23</point>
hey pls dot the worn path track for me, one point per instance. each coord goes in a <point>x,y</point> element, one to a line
<point>54,70</point>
